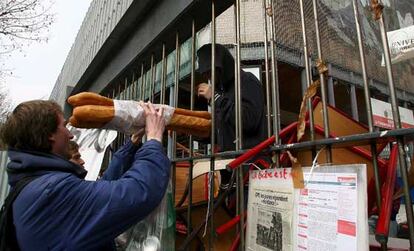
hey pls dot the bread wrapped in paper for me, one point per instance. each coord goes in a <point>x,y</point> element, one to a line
<point>92,110</point>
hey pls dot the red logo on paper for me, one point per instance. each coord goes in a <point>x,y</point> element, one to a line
<point>346,227</point>
<point>304,192</point>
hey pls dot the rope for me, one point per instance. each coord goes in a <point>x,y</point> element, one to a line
<point>210,177</point>
<point>376,8</point>
<point>310,92</point>
<point>269,11</point>
<point>314,165</point>
<point>322,68</point>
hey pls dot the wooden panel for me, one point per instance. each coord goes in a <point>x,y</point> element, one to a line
<point>221,242</point>
<point>340,124</point>
<point>200,188</point>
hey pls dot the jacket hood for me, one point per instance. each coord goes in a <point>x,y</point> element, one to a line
<point>24,163</point>
<point>223,61</point>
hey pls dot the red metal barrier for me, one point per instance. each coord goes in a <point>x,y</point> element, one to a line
<point>383,223</point>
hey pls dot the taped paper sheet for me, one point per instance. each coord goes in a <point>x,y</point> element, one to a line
<point>328,214</point>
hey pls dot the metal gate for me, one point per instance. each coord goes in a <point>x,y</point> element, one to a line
<point>295,44</point>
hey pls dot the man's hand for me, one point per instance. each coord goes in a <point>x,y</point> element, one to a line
<point>154,121</point>
<point>137,136</point>
<point>204,90</point>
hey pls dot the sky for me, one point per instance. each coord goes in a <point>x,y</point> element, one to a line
<point>36,69</point>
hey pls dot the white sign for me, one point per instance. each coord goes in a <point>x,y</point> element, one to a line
<point>256,71</point>
<point>92,146</point>
<point>401,43</point>
<point>328,214</point>
<point>382,115</point>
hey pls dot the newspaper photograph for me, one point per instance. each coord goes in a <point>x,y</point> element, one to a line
<point>270,215</point>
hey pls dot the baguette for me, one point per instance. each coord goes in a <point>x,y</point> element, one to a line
<point>198,114</point>
<point>187,122</point>
<point>104,114</point>
<point>85,124</point>
<point>95,116</point>
<point>89,98</point>
<point>192,131</point>
<point>94,113</point>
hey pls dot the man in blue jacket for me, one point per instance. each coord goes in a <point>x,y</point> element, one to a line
<point>59,210</point>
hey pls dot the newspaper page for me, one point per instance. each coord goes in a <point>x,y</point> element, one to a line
<point>270,210</point>
<point>331,212</point>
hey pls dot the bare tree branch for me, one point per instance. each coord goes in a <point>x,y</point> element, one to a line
<point>5,103</point>
<point>22,22</point>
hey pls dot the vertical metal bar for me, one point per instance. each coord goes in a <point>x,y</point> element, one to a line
<point>237,89</point>
<point>267,77</point>
<point>213,140</point>
<point>118,141</point>
<point>191,146</point>
<point>171,142</point>
<point>275,82</point>
<point>397,125</point>
<point>177,67</point>
<point>163,75</point>
<point>142,93</point>
<point>113,144</point>
<point>307,68</point>
<point>322,79</point>
<point>126,96</point>
<point>236,103</point>
<point>331,90</point>
<point>128,89</point>
<point>137,87</point>
<point>133,87</point>
<point>143,90</point>
<point>175,100</point>
<point>239,126</point>
<point>152,86</point>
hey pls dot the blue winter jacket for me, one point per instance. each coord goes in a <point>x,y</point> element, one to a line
<point>59,210</point>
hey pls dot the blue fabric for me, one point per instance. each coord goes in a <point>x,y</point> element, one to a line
<point>61,211</point>
<point>121,161</point>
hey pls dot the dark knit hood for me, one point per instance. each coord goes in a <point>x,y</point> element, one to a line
<point>224,61</point>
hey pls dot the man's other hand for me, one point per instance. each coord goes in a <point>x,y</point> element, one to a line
<point>137,136</point>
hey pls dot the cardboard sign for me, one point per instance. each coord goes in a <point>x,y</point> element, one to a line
<point>382,115</point>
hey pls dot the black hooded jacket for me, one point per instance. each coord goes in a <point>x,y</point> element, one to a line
<point>253,114</point>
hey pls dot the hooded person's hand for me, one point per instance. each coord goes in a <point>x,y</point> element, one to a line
<point>204,90</point>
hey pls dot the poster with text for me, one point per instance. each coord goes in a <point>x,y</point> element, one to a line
<point>329,213</point>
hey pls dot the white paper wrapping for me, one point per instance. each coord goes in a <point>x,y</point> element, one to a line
<point>129,116</point>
